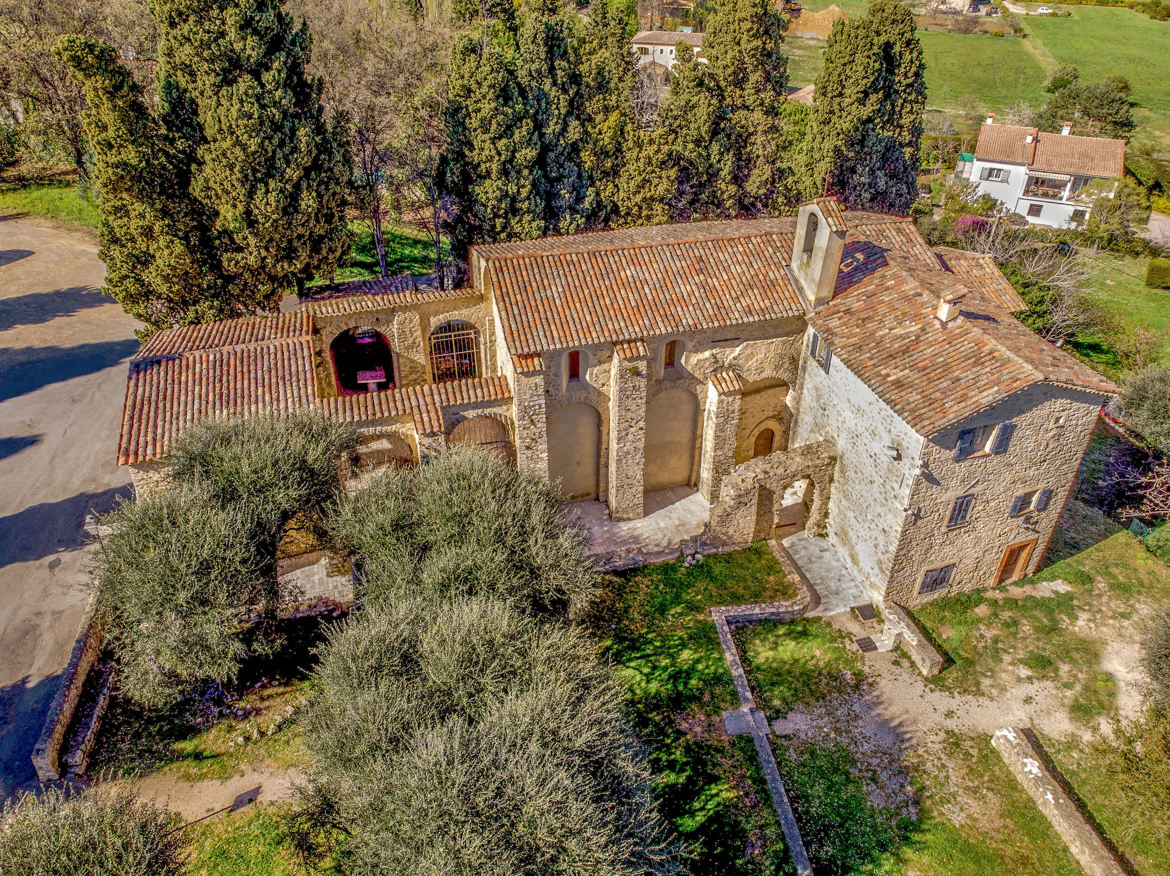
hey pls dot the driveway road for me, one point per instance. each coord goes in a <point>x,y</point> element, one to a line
<point>63,353</point>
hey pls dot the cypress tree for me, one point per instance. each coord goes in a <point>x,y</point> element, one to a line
<point>269,167</point>
<point>866,124</point>
<point>550,81</point>
<point>161,264</point>
<point>489,168</point>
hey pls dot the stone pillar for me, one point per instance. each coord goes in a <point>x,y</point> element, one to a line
<point>430,445</point>
<point>530,412</point>
<point>720,426</point>
<point>627,430</point>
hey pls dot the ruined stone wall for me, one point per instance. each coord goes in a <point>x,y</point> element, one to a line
<point>763,406</point>
<point>871,484</point>
<point>408,329</point>
<point>1050,429</point>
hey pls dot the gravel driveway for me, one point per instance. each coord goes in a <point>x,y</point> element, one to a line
<point>63,353</point>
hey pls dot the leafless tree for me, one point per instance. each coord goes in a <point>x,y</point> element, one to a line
<point>1018,114</point>
<point>1155,492</point>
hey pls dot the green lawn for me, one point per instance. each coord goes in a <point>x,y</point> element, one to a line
<point>257,841</point>
<point>407,252</point>
<point>65,203</point>
<point>655,624</point>
<point>995,71</point>
<point>1120,287</point>
<point>1040,633</point>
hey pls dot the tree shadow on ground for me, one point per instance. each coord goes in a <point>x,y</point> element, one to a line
<point>27,369</point>
<point>41,307</point>
<point>16,443</point>
<point>51,527</point>
<point>8,256</point>
<point>24,707</point>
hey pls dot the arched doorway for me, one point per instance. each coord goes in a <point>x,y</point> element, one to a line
<point>362,361</point>
<point>454,351</point>
<point>487,432</point>
<point>377,450</point>
<point>574,450</point>
<point>763,443</point>
<point>671,420</point>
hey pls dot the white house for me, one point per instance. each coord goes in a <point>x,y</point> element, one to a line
<point>1041,175</point>
<point>658,46</point>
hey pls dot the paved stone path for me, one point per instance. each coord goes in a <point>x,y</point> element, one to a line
<point>836,586</point>
<point>63,353</point>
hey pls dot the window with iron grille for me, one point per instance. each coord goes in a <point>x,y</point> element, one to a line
<point>937,579</point>
<point>454,351</point>
<point>960,510</point>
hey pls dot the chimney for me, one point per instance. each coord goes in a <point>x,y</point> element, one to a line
<point>948,307</point>
<point>1066,128</point>
<point>990,119</point>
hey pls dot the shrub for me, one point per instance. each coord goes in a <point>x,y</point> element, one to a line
<point>1156,658</point>
<point>463,736</point>
<point>1139,759</point>
<point>1145,402</point>
<point>93,833</point>
<point>1158,273</point>
<point>464,523</point>
<point>1158,542</point>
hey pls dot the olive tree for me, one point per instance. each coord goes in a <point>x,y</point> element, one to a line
<point>91,833</point>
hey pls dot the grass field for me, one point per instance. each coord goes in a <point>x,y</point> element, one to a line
<point>65,203</point>
<point>1120,287</point>
<point>256,841</point>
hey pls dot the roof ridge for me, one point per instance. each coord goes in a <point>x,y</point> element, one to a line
<point>219,348</point>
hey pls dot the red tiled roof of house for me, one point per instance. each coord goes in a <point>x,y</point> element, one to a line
<point>583,289</point>
<point>1100,157</point>
<point>883,328</point>
<point>1006,143</point>
<point>667,38</point>
<point>262,366</point>
<point>1088,156</point>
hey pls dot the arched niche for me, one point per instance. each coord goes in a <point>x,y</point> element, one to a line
<point>362,361</point>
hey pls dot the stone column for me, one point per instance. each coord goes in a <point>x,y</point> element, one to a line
<point>430,445</point>
<point>720,427</point>
<point>627,430</point>
<point>530,412</point>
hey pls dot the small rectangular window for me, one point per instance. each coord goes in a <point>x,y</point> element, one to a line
<point>960,510</point>
<point>937,579</point>
<point>1034,211</point>
<point>1022,503</point>
<point>668,355</point>
<point>574,365</point>
<point>1042,499</point>
<point>1079,216</point>
<point>814,346</point>
<point>1003,434</point>
<point>973,442</point>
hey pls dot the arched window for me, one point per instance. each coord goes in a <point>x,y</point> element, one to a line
<point>574,366</point>
<point>454,351</point>
<point>668,355</point>
<point>362,361</point>
<point>763,444</point>
<point>810,233</point>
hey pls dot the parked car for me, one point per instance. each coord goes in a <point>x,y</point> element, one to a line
<point>1044,10</point>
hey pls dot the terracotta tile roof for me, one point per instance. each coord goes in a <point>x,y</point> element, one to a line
<point>1053,153</point>
<point>1005,143</point>
<point>980,272</point>
<point>831,210</point>
<point>726,380</point>
<point>528,363</point>
<point>563,292</point>
<point>1088,156</point>
<point>634,349</point>
<point>361,302</point>
<point>883,328</point>
<point>667,38</point>
<point>804,95</point>
<point>262,366</point>
<point>227,333</point>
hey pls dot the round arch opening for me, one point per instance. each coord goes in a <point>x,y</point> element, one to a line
<point>487,432</point>
<point>362,361</point>
<point>454,351</point>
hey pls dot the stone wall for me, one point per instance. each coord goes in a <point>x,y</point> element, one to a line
<point>909,635</point>
<point>1029,763</point>
<point>1051,428</point>
<point>735,520</point>
<point>878,456</point>
<point>408,328</point>
<point>86,647</point>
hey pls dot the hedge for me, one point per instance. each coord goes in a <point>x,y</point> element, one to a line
<point>1158,273</point>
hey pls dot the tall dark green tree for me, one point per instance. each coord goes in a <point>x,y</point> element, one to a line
<point>229,187</point>
<point>864,132</point>
<point>269,167</point>
<point>161,262</point>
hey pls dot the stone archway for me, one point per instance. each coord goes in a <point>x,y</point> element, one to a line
<point>574,450</point>
<point>379,449</point>
<point>362,361</point>
<point>763,411</point>
<point>490,433</point>
<point>672,419</point>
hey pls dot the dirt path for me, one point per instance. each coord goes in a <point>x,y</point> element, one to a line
<point>193,800</point>
<point>63,352</point>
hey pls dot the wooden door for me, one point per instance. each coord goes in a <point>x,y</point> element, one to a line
<point>1015,561</point>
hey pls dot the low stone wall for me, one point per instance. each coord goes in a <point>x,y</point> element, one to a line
<point>1029,763</point>
<point>86,647</point>
<point>901,623</point>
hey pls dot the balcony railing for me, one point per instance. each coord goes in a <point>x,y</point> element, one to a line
<point>1046,192</point>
